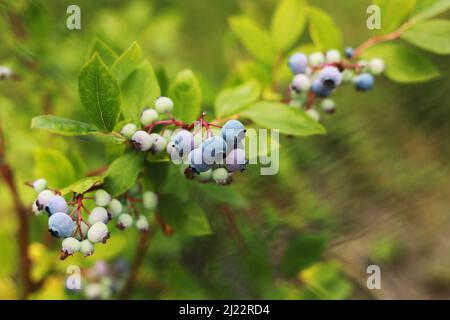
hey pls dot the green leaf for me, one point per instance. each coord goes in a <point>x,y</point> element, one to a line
<point>403,64</point>
<point>59,125</point>
<point>302,252</point>
<point>323,30</point>
<point>102,137</point>
<point>141,87</point>
<point>187,96</point>
<point>99,94</point>
<point>426,9</point>
<point>123,172</point>
<point>287,119</point>
<point>432,35</point>
<point>127,63</point>
<point>393,13</point>
<point>54,167</point>
<point>184,217</point>
<point>82,185</point>
<point>288,23</point>
<point>256,40</point>
<point>232,100</point>
<point>106,53</point>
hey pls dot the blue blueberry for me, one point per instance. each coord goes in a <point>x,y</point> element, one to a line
<point>364,82</point>
<point>196,161</point>
<point>60,225</point>
<point>349,52</point>
<point>330,77</point>
<point>233,131</point>
<point>298,63</point>
<point>235,160</point>
<point>319,90</point>
<point>214,149</point>
<point>56,204</point>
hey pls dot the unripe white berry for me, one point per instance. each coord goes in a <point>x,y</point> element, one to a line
<point>115,208</point>
<point>149,200</point>
<point>142,223</point>
<point>5,72</point>
<point>86,248</point>
<point>316,59</point>
<point>333,56</point>
<point>124,221</point>
<point>40,185</point>
<point>70,245</point>
<point>301,83</point>
<point>36,210</point>
<point>102,198</point>
<point>84,230</point>
<point>128,130</point>
<point>164,104</point>
<point>158,143</point>
<point>328,105</point>
<point>98,214</point>
<point>148,116</point>
<point>220,175</point>
<point>98,232</point>
<point>376,66</point>
<point>141,140</point>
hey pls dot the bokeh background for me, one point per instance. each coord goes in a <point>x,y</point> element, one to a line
<point>374,190</point>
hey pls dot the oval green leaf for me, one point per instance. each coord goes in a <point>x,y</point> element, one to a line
<point>393,13</point>
<point>60,125</point>
<point>187,96</point>
<point>323,30</point>
<point>82,185</point>
<point>432,35</point>
<point>288,23</point>
<point>235,99</point>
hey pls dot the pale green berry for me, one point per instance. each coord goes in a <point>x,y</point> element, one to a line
<point>70,245</point>
<point>220,175</point>
<point>376,66</point>
<point>124,221</point>
<point>158,143</point>
<point>164,104</point>
<point>333,56</point>
<point>313,114</point>
<point>86,248</point>
<point>148,116</point>
<point>115,207</point>
<point>98,214</point>
<point>149,200</point>
<point>102,198</point>
<point>347,76</point>
<point>205,176</point>
<point>316,59</point>
<point>328,105</point>
<point>142,224</point>
<point>128,130</point>
<point>40,185</point>
<point>98,232</point>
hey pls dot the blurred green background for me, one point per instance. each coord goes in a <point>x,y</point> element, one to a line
<point>374,190</point>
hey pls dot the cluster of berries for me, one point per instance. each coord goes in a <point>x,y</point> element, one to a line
<point>208,152</point>
<point>318,75</point>
<point>104,280</point>
<point>66,219</point>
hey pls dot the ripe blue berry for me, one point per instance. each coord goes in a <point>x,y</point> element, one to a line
<point>56,204</point>
<point>184,142</point>
<point>115,208</point>
<point>235,160</point>
<point>233,131</point>
<point>148,116</point>
<point>298,63</point>
<point>124,221</point>
<point>330,77</point>
<point>60,225</point>
<point>98,232</point>
<point>141,140</point>
<point>98,214</point>
<point>43,198</point>
<point>333,56</point>
<point>301,83</point>
<point>220,176</point>
<point>149,200</point>
<point>128,130</point>
<point>142,224</point>
<point>70,246</point>
<point>39,185</point>
<point>86,248</point>
<point>319,90</point>
<point>196,161</point>
<point>349,52</point>
<point>214,150</point>
<point>163,104</point>
<point>102,198</point>
<point>364,82</point>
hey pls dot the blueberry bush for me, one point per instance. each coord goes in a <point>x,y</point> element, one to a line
<point>140,172</point>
